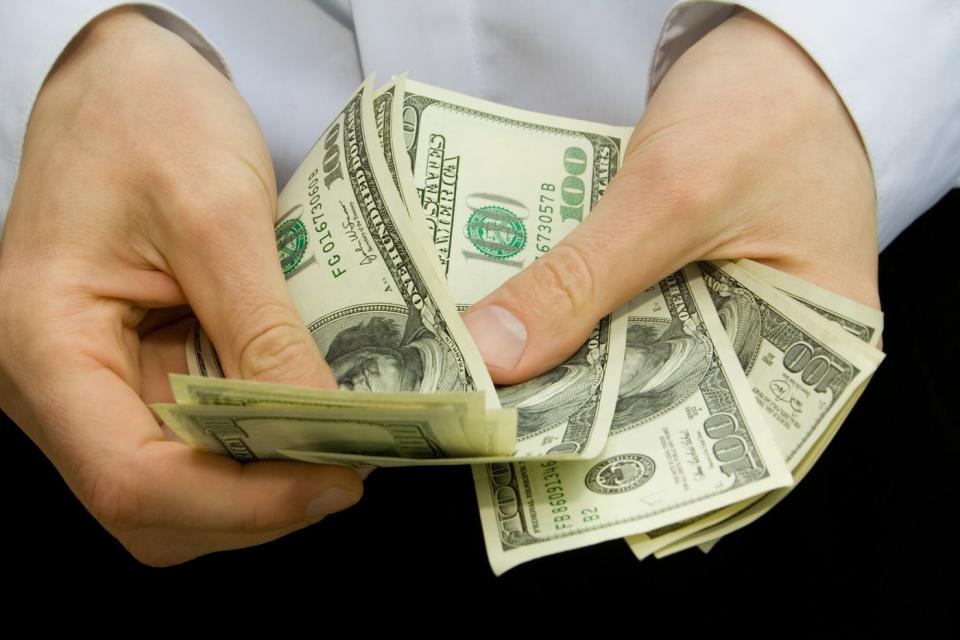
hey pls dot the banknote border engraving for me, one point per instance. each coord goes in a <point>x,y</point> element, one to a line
<point>220,429</point>
<point>851,326</point>
<point>370,200</point>
<point>383,108</point>
<point>611,160</point>
<point>355,309</point>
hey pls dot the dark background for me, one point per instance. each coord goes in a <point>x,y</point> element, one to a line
<point>867,539</point>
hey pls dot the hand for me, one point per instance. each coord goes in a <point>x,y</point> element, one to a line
<point>145,184</point>
<point>745,151</point>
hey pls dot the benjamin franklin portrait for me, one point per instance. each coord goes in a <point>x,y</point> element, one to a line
<point>552,397</point>
<point>391,353</point>
<point>663,364</point>
<point>740,315</point>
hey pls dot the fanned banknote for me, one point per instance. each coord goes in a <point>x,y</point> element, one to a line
<point>687,438</point>
<point>256,433</point>
<point>489,433</point>
<point>494,188</point>
<point>866,323</point>
<point>805,371</point>
<point>358,276</point>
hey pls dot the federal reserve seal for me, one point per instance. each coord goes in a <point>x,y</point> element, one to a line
<point>619,474</point>
<point>291,244</point>
<point>496,232</point>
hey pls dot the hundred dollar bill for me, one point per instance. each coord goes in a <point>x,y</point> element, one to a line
<point>687,438</point>
<point>249,393</point>
<point>707,537</point>
<point>359,278</point>
<point>384,461</point>
<point>388,115</point>
<point>805,372</point>
<point>802,370</point>
<point>862,321</point>
<point>866,323</point>
<point>256,433</point>
<point>488,432</point>
<point>493,189</point>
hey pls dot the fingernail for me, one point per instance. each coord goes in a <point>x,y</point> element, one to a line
<point>500,337</point>
<point>330,501</point>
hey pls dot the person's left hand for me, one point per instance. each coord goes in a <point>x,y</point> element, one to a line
<point>745,151</point>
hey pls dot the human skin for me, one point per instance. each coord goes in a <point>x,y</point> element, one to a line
<point>744,151</point>
<point>145,185</point>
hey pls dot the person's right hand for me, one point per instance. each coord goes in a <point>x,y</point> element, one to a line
<point>145,184</point>
<point>745,150</point>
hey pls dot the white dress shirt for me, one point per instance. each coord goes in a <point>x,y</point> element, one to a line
<point>893,63</point>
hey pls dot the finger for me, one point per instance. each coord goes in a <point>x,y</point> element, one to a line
<point>129,478</point>
<point>631,239</point>
<point>225,259</point>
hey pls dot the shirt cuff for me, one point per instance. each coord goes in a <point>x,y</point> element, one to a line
<point>39,33</point>
<point>892,63</point>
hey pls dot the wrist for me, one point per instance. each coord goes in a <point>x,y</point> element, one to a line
<point>109,29</point>
<point>751,136</point>
<point>132,34</point>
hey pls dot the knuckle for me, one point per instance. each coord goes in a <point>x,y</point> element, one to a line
<point>218,192</point>
<point>277,508</point>
<point>198,208</point>
<point>675,180</point>
<point>279,351</point>
<point>255,521</point>
<point>564,279</point>
<point>261,518</point>
<point>683,197</point>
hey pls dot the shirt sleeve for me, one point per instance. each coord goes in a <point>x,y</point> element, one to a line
<point>33,35</point>
<point>893,63</point>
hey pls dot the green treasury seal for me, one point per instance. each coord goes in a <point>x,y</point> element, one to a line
<point>496,232</point>
<point>291,244</point>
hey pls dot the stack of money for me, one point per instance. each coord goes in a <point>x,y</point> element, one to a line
<point>685,416</point>
<point>255,420</point>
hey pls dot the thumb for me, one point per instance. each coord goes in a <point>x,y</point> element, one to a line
<point>542,315</point>
<point>229,272</point>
